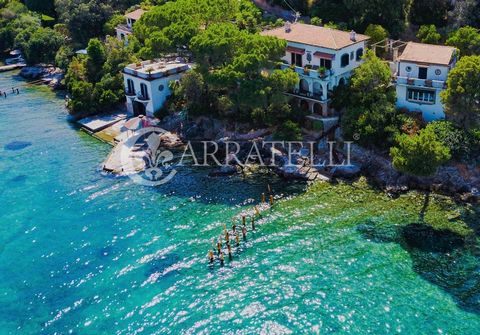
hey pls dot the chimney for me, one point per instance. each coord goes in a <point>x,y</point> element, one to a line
<point>288,27</point>
<point>353,36</point>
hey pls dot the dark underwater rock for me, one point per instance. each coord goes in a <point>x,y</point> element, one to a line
<point>17,145</point>
<point>427,239</point>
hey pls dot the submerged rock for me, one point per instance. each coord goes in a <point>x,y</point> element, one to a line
<point>225,170</point>
<point>33,72</point>
<point>425,238</point>
<point>17,145</point>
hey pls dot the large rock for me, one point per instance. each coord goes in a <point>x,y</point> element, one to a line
<point>33,72</point>
<point>51,76</point>
<point>346,172</point>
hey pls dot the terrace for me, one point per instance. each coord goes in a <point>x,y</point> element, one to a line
<point>155,69</point>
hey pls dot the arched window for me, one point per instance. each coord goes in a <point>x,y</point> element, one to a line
<point>304,87</point>
<point>359,54</point>
<point>345,60</point>
<point>130,86</point>
<point>144,91</point>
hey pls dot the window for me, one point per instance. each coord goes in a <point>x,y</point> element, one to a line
<point>359,54</point>
<point>144,91</point>
<point>422,96</point>
<point>408,69</point>
<point>161,88</point>
<point>130,86</point>
<point>296,59</point>
<point>422,72</point>
<point>345,60</point>
<point>326,63</point>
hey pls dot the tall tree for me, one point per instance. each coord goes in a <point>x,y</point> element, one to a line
<point>426,12</point>
<point>462,96</point>
<point>41,6</point>
<point>84,18</point>
<point>41,45</point>
<point>420,154</point>
<point>358,14</point>
<point>466,39</point>
<point>95,60</point>
<point>429,34</point>
<point>370,107</point>
<point>465,13</point>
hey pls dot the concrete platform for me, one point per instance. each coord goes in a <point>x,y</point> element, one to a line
<point>11,67</point>
<point>97,123</point>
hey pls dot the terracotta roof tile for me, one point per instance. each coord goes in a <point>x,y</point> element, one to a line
<point>135,15</point>
<point>427,53</point>
<point>316,36</point>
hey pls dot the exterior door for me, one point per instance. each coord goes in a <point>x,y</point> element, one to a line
<point>139,109</point>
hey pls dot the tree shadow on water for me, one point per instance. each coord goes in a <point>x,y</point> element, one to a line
<point>442,257</point>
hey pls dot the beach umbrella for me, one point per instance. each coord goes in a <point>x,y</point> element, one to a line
<point>135,123</point>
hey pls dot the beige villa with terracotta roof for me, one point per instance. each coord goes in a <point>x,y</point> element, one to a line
<point>123,30</point>
<point>421,74</point>
<point>323,58</point>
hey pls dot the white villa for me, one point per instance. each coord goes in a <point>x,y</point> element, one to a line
<point>323,58</point>
<point>123,30</point>
<point>421,74</point>
<point>147,84</point>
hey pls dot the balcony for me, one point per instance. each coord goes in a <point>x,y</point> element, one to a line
<point>130,93</point>
<point>313,72</point>
<point>141,97</point>
<point>420,82</point>
<point>125,28</point>
<point>306,94</point>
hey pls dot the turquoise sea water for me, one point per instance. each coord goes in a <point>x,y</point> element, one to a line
<point>83,253</point>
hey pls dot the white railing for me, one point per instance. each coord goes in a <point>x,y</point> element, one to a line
<point>310,72</point>
<point>420,82</point>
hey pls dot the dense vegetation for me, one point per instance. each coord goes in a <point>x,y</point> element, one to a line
<point>235,77</point>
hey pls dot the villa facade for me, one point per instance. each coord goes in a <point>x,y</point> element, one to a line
<point>123,30</point>
<point>147,84</point>
<point>421,75</point>
<point>323,58</point>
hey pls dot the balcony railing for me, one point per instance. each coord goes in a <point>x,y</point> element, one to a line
<point>130,93</point>
<point>125,28</point>
<point>420,82</point>
<point>311,72</point>
<point>306,94</point>
<point>142,97</point>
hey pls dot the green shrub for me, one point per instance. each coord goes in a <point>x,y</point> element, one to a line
<point>288,131</point>
<point>419,155</point>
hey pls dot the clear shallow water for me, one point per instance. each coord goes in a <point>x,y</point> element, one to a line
<point>82,253</point>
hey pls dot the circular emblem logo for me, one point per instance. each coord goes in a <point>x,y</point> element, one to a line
<point>144,161</point>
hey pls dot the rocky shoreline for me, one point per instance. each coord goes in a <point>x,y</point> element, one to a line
<point>45,74</point>
<point>460,181</point>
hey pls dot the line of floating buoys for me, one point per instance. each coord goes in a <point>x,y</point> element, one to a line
<point>235,230</point>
